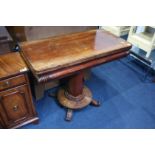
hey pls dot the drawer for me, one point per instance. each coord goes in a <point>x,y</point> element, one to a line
<point>11,82</point>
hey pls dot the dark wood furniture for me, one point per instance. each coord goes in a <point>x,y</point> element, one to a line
<point>5,41</point>
<point>16,105</point>
<point>29,33</point>
<point>69,56</point>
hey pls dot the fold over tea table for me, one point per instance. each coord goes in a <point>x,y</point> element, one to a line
<point>67,57</point>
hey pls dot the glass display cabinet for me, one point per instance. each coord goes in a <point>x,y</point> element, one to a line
<point>143,40</point>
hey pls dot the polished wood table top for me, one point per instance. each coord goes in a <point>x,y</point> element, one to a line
<point>63,51</point>
<point>11,64</point>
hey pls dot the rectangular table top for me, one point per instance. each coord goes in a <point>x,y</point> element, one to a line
<point>58,52</point>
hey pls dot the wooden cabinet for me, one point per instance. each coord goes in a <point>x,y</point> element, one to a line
<point>16,105</point>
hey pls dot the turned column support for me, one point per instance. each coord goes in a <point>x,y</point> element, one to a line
<point>75,95</point>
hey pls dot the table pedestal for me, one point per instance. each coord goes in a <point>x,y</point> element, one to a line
<point>75,95</point>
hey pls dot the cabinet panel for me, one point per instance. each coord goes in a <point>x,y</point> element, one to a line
<point>15,106</point>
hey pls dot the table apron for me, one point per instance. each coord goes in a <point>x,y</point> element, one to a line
<point>61,73</point>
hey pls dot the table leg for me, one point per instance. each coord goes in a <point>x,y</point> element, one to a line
<point>75,95</point>
<point>95,103</point>
<point>75,84</point>
<point>69,114</point>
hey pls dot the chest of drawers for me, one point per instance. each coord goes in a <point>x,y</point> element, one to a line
<point>16,105</point>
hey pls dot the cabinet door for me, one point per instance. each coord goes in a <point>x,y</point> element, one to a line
<point>15,105</point>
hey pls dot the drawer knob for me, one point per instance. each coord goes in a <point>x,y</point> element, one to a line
<point>5,84</point>
<point>15,108</point>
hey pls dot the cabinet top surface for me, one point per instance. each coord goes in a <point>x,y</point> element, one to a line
<point>63,51</point>
<point>11,64</point>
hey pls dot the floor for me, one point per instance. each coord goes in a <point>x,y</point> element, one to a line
<point>127,100</point>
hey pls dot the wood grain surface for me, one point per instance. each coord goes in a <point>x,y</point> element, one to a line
<point>63,51</point>
<point>11,64</point>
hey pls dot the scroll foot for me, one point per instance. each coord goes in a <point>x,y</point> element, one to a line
<point>95,103</point>
<point>69,114</point>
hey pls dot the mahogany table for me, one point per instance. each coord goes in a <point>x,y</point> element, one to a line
<point>68,56</point>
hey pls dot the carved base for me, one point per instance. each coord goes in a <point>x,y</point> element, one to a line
<point>71,102</point>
